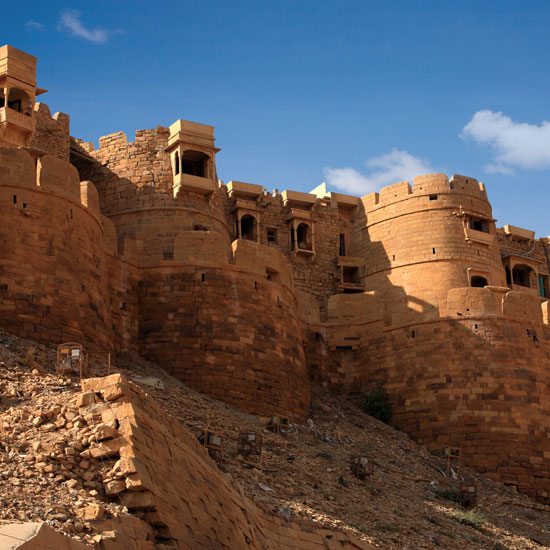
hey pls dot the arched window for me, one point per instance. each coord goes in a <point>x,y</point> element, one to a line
<point>248,226</point>
<point>303,236</point>
<point>478,281</point>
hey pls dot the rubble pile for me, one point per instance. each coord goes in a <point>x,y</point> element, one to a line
<point>304,474</point>
<point>102,463</point>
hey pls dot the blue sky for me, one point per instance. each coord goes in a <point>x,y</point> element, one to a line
<point>360,93</point>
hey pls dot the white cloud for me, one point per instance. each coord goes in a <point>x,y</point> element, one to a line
<point>387,169</point>
<point>34,25</point>
<point>514,144</point>
<point>70,21</point>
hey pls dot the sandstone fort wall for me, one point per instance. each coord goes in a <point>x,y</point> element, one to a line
<point>52,276</point>
<point>245,294</point>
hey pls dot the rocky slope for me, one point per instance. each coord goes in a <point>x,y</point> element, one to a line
<point>50,474</point>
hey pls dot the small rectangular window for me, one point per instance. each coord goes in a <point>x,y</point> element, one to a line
<point>271,235</point>
<point>433,197</point>
<point>543,286</point>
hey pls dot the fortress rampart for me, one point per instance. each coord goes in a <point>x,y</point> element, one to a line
<point>52,264</point>
<point>247,295</point>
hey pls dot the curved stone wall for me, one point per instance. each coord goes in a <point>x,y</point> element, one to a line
<point>229,330</point>
<point>478,380</point>
<point>52,269</point>
<point>419,243</point>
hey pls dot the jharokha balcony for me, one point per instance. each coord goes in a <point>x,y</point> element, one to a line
<point>15,118</point>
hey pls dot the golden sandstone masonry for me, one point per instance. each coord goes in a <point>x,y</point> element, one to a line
<point>250,296</point>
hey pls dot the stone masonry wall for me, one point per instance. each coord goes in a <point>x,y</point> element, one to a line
<point>52,269</point>
<point>418,244</point>
<point>477,382</point>
<point>227,330</point>
<point>52,134</point>
<point>169,481</point>
<point>315,274</point>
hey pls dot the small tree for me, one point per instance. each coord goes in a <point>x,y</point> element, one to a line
<point>376,404</point>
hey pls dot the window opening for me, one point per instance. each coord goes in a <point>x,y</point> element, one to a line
<point>247,227</point>
<point>15,105</point>
<point>479,225</point>
<point>202,277</point>
<point>19,101</point>
<point>521,275</point>
<point>508,276</point>
<point>271,235</point>
<point>194,163</point>
<point>478,281</point>
<point>176,163</point>
<point>199,227</point>
<point>272,275</point>
<point>342,244</point>
<point>303,235</point>
<point>433,250</point>
<point>433,197</point>
<point>15,199</point>
<point>351,275</point>
<point>543,286</point>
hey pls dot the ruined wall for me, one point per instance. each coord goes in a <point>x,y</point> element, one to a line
<point>230,330</point>
<point>166,478</point>
<point>142,161</point>
<point>52,134</point>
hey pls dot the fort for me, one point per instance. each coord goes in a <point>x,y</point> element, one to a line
<point>251,296</point>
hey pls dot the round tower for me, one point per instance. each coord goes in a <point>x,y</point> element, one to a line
<point>424,241</point>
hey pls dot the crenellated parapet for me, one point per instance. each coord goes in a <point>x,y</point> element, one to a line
<point>460,188</point>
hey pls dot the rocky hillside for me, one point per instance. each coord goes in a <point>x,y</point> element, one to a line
<point>52,471</point>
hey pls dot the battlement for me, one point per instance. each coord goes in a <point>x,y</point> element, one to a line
<point>47,173</point>
<point>429,185</point>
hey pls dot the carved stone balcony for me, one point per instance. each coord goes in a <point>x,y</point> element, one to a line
<point>187,182</point>
<point>16,129</point>
<point>16,118</point>
<point>479,236</point>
